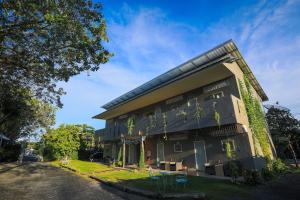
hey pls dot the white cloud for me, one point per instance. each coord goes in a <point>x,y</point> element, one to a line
<point>146,43</point>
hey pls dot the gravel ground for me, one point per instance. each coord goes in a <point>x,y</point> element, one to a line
<point>38,181</point>
<point>41,181</point>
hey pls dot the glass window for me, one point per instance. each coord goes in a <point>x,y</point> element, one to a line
<point>214,96</point>
<point>231,143</point>
<point>177,147</point>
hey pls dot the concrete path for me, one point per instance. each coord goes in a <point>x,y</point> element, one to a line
<point>41,181</point>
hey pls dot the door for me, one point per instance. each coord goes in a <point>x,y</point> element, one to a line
<point>160,152</point>
<point>200,154</point>
<point>131,153</point>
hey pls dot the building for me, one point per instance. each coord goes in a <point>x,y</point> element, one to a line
<point>187,114</point>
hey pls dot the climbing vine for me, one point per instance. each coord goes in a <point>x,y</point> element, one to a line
<point>217,118</point>
<point>130,125</point>
<point>164,115</point>
<point>119,159</point>
<point>217,115</point>
<point>256,117</point>
<point>199,111</point>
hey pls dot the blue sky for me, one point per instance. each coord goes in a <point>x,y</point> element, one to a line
<point>150,37</point>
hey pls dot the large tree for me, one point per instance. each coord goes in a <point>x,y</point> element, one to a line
<point>284,129</point>
<point>66,141</point>
<point>42,43</point>
<point>21,114</point>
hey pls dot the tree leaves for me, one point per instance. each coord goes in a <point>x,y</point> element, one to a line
<point>45,42</point>
<point>42,43</point>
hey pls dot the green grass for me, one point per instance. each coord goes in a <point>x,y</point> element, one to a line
<point>123,175</point>
<point>88,167</point>
<point>214,188</point>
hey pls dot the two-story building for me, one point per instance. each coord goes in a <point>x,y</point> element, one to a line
<point>186,114</point>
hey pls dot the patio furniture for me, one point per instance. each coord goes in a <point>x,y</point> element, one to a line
<point>219,170</point>
<point>175,166</point>
<point>164,165</point>
<point>181,179</point>
<point>210,169</point>
<point>154,178</point>
<point>165,175</point>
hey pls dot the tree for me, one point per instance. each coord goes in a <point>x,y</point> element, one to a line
<point>86,136</point>
<point>67,141</point>
<point>284,129</point>
<point>21,114</point>
<point>62,143</point>
<point>43,42</point>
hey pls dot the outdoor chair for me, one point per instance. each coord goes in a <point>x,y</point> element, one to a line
<point>182,179</point>
<point>154,178</point>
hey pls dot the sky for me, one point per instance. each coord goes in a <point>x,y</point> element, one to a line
<point>148,38</point>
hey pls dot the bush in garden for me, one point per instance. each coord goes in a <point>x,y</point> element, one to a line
<point>267,174</point>
<point>252,177</point>
<point>278,166</point>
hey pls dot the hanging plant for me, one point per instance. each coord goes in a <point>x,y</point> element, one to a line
<point>130,125</point>
<point>217,118</point>
<point>228,150</point>
<point>199,111</point>
<point>183,114</point>
<point>164,115</point>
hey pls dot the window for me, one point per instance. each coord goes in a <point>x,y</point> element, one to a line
<point>177,147</point>
<point>217,95</point>
<point>152,119</point>
<point>231,143</point>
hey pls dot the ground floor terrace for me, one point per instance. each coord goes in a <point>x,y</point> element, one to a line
<point>196,150</point>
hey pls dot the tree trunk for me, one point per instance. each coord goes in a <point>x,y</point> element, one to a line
<point>293,153</point>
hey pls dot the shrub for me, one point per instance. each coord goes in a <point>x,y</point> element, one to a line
<point>278,166</point>
<point>252,177</point>
<point>267,174</point>
<point>234,170</point>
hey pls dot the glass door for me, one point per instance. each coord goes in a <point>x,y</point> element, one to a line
<point>200,154</point>
<point>160,152</point>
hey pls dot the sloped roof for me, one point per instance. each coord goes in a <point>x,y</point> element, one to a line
<point>227,48</point>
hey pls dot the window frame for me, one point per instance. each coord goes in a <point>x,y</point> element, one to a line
<point>232,142</point>
<point>174,146</point>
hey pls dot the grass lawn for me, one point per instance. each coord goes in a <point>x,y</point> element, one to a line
<point>214,188</point>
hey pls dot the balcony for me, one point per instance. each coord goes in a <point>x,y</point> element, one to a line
<point>190,116</point>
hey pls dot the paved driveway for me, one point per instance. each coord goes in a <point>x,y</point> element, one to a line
<point>40,181</point>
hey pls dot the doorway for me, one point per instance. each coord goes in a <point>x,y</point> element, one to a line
<point>200,154</point>
<point>160,152</point>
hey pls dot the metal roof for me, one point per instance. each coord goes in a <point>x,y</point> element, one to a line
<point>227,48</point>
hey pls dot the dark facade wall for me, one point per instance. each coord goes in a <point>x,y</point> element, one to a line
<point>213,147</point>
<point>192,110</point>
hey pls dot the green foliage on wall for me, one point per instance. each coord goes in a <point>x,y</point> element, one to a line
<point>228,151</point>
<point>164,115</point>
<point>119,159</point>
<point>256,117</point>
<point>199,111</point>
<point>130,125</point>
<point>217,117</point>
<point>142,157</point>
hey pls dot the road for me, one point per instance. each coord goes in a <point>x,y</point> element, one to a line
<point>36,181</point>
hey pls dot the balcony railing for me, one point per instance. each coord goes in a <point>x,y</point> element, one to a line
<point>184,117</point>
